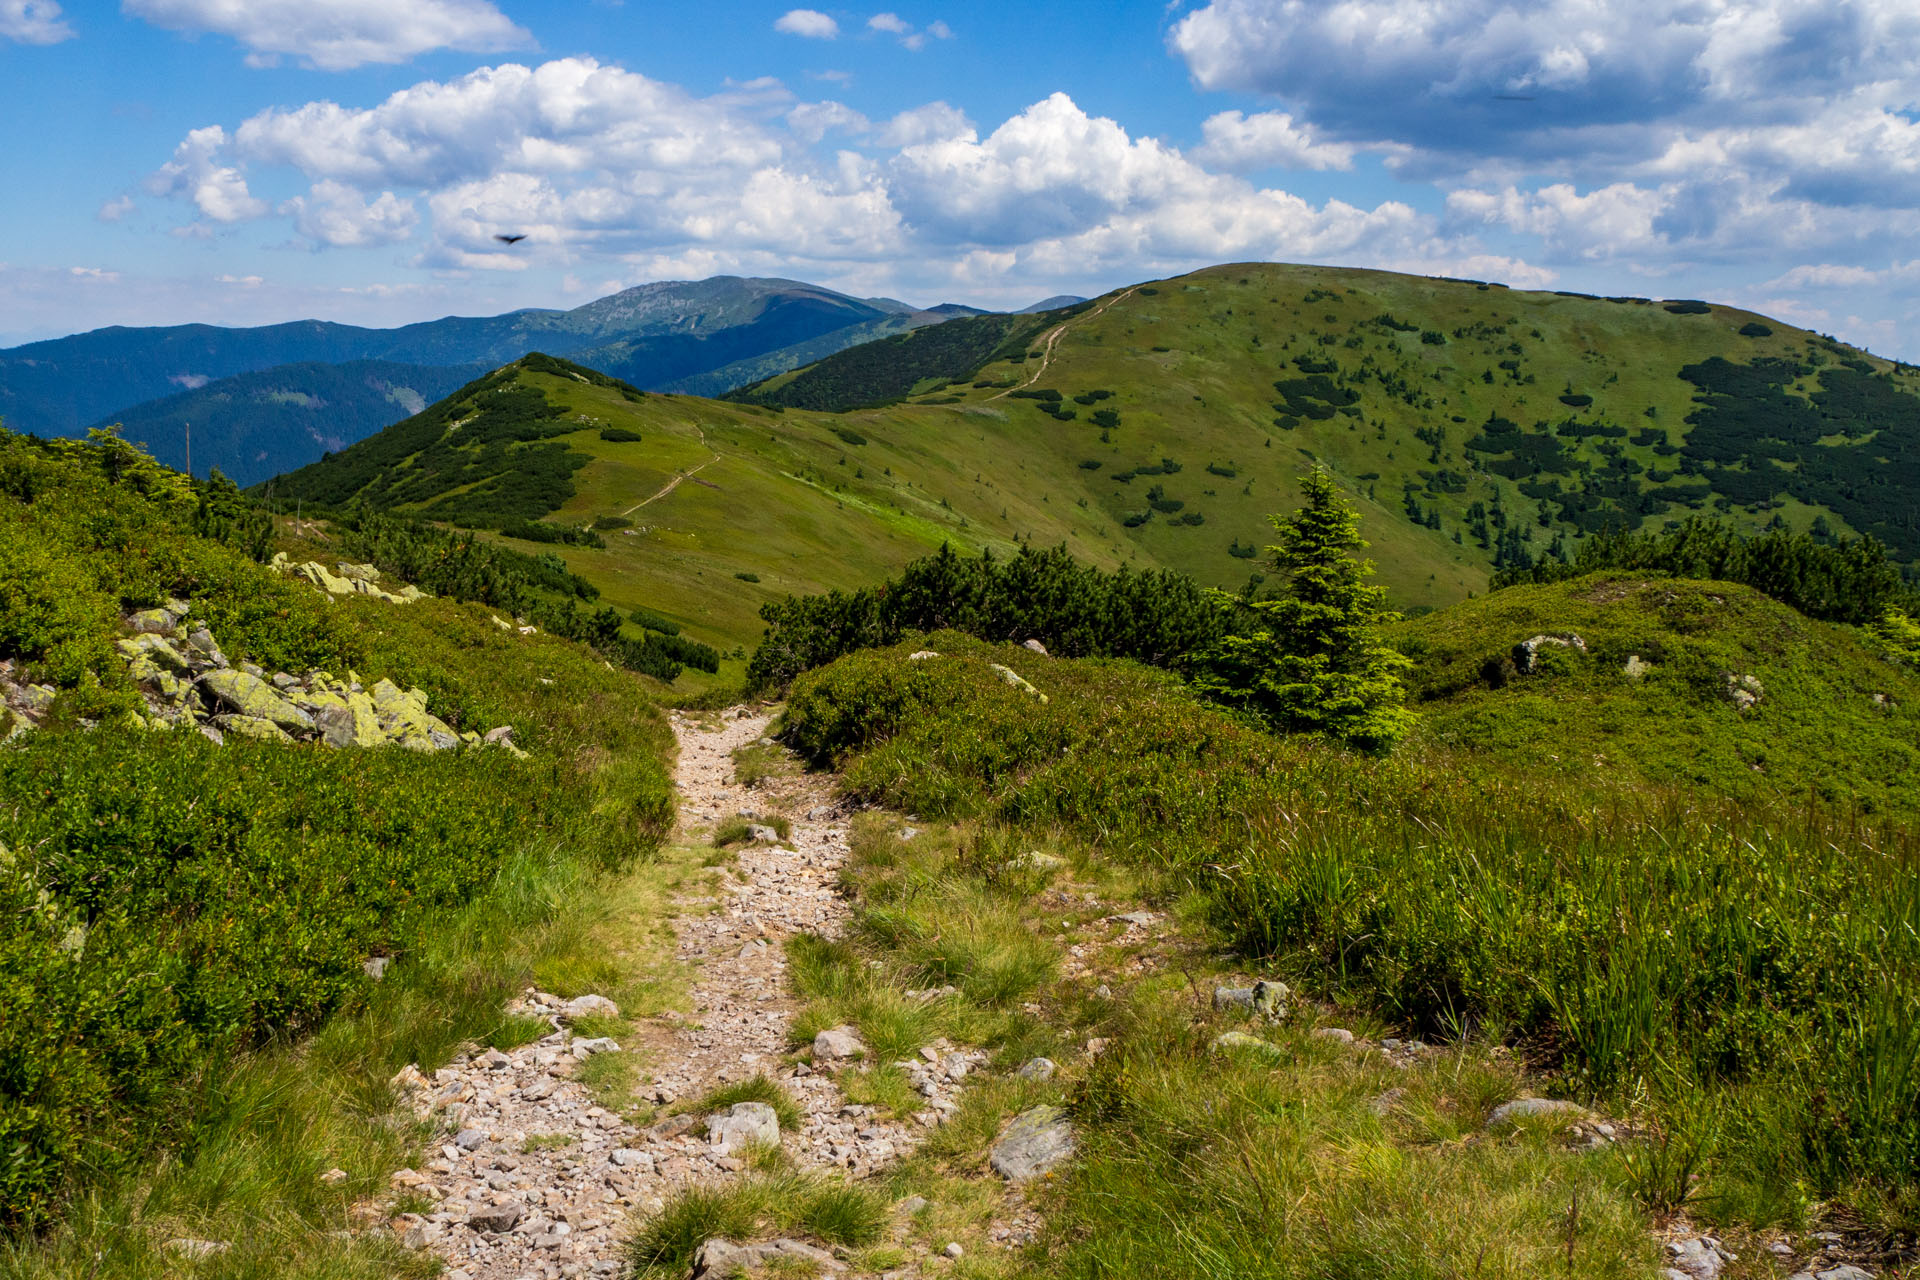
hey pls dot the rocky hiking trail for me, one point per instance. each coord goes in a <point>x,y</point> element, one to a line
<point>537,1171</point>
<point>533,1178</point>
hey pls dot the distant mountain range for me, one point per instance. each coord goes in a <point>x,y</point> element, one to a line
<point>268,399</point>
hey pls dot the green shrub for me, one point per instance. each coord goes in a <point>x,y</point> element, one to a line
<point>620,435</point>
<point>653,621</point>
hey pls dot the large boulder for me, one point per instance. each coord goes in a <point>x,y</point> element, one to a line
<point>254,698</point>
<point>404,717</point>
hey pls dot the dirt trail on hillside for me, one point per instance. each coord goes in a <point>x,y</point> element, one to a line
<point>532,1179</point>
<point>674,483</point>
<point>1052,340</point>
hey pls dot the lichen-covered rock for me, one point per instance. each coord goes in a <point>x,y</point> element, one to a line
<point>1241,1042</point>
<point>405,720</point>
<point>1018,681</point>
<point>252,697</point>
<point>152,622</point>
<point>1526,1108</point>
<point>256,727</point>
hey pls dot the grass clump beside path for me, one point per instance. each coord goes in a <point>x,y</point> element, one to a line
<point>1667,952</point>
<point>773,1200</point>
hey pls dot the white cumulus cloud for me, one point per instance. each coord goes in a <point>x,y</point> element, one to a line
<point>810,23</point>
<point>217,190</point>
<point>336,35</point>
<point>1236,141</point>
<point>33,22</point>
<point>333,213</point>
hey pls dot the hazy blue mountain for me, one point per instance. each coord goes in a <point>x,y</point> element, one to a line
<point>254,425</point>
<point>651,335</point>
<point>1054,303</point>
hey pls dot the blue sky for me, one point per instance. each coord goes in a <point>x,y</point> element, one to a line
<point>250,161</point>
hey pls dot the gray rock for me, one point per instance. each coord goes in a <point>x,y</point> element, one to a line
<point>921,655</point>
<point>586,1046</point>
<point>468,1139</point>
<point>912,1205</point>
<point>1037,1069</point>
<point>1845,1271</point>
<point>1034,1143</point>
<point>1265,998</point>
<point>1524,1108</point>
<point>591,1006</point>
<point>500,734</point>
<point>375,967</point>
<point>628,1158</point>
<point>1694,1258</point>
<point>1036,646</point>
<point>1340,1035</point>
<point>953,1249</point>
<point>762,835</point>
<point>152,622</point>
<point>718,1258</point>
<point>744,1124</point>
<point>201,641</point>
<point>496,1218</point>
<point>838,1043</point>
<point>1133,917</point>
<point>1035,860</point>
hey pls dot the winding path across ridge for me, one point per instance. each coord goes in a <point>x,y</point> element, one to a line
<point>1052,339</point>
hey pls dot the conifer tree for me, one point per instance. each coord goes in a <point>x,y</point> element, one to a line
<point>1309,658</point>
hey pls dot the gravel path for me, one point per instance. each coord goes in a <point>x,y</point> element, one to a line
<point>532,1179</point>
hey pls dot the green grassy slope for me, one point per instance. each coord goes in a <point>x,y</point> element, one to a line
<point>809,500</point>
<point>1828,720</point>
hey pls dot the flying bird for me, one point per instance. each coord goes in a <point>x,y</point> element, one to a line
<point>510,239</point>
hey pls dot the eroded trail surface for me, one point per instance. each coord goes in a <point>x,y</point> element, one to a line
<point>532,1177</point>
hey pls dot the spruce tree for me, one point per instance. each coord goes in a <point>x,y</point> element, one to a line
<point>1309,658</point>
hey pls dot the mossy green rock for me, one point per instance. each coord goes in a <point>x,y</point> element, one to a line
<point>258,728</point>
<point>250,696</point>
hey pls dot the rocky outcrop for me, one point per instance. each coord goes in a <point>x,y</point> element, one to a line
<point>186,682</point>
<point>350,580</point>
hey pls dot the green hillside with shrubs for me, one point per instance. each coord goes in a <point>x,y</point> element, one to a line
<point>190,879</point>
<point>1479,429</point>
